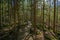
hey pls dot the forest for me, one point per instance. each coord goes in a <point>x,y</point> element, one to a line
<point>29,19</point>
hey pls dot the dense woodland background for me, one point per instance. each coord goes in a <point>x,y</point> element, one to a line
<point>29,20</point>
